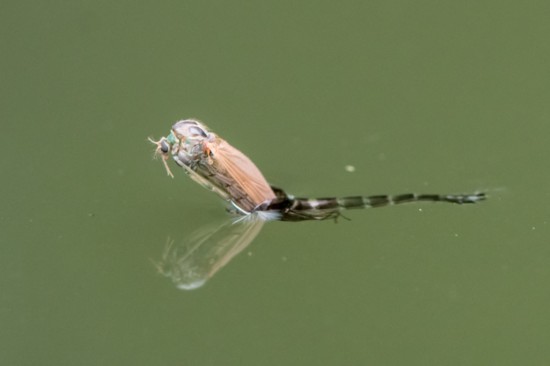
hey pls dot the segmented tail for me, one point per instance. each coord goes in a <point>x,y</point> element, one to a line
<point>299,209</point>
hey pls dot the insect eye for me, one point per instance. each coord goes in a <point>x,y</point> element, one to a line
<point>164,147</point>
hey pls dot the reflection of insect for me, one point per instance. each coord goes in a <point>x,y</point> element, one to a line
<point>192,261</point>
<point>215,164</point>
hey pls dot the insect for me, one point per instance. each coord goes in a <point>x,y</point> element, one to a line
<point>216,165</point>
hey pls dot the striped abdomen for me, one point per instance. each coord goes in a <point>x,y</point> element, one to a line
<point>298,209</point>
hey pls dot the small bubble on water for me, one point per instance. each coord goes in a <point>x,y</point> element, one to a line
<point>349,168</point>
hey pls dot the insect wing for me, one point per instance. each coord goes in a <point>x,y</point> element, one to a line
<point>243,171</point>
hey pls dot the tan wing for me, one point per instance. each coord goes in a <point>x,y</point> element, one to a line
<point>244,172</point>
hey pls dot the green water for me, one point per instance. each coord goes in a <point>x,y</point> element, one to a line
<point>435,97</point>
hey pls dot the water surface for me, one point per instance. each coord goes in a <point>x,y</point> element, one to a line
<point>430,97</point>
